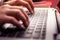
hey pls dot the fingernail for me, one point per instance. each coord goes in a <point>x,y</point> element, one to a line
<point>32,12</point>
<point>23,27</point>
<point>27,24</point>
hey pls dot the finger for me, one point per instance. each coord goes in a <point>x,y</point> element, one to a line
<point>26,4</point>
<point>24,18</point>
<point>25,15</point>
<point>14,21</point>
<point>10,2</point>
<point>31,3</point>
<point>19,15</point>
<point>20,8</point>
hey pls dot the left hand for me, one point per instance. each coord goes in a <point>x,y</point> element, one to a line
<point>10,14</point>
<point>26,3</point>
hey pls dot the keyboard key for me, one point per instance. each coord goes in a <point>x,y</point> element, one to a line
<point>29,32</point>
<point>36,28</point>
<point>43,34</point>
<point>20,33</point>
<point>36,35</point>
<point>39,25</point>
<point>30,29</point>
<point>32,26</point>
<point>37,31</point>
<point>27,35</point>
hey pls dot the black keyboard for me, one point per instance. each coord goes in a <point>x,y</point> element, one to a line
<point>36,29</point>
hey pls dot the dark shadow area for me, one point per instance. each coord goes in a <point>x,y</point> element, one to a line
<point>37,0</point>
<point>58,4</point>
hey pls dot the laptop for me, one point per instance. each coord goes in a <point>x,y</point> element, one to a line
<point>43,26</point>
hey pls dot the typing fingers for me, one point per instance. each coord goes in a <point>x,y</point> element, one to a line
<point>18,15</point>
<point>10,2</point>
<point>14,21</point>
<point>31,3</point>
<point>26,4</point>
<point>19,8</point>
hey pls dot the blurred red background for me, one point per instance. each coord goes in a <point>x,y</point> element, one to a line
<point>51,3</point>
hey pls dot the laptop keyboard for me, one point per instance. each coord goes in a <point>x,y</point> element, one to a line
<point>36,29</point>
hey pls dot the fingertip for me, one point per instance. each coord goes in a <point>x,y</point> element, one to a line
<point>22,27</point>
<point>32,12</point>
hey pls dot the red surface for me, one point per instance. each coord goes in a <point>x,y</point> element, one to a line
<point>52,3</point>
<point>42,3</point>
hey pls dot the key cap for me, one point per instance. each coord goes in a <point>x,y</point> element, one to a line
<point>36,35</point>
<point>20,33</point>
<point>27,35</point>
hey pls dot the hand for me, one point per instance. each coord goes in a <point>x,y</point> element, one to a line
<point>8,14</point>
<point>31,3</point>
<point>27,4</point>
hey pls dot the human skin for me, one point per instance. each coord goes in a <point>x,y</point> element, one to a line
<point>26,3</point>
<point>8,14</point>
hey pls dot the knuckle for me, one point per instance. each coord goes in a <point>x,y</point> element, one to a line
<point>29,1</point>
<point>24,19</point>
<point>17,12</point>
<point>26,3</point>
<point>21,8</point>
<point>11,19</point>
